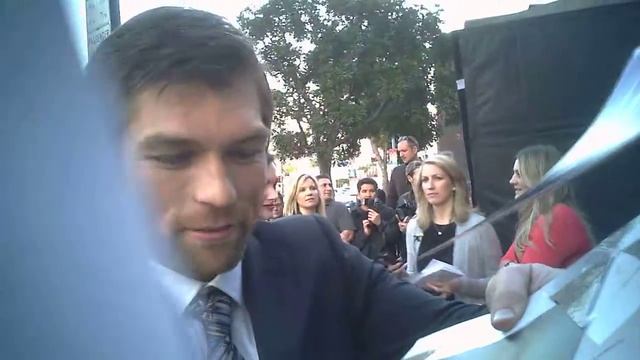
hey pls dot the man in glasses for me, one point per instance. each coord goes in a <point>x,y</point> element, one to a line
<point>398,184</point>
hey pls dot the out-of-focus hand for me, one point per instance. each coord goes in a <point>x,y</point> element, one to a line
<point>366,227</point>
<point>446,289</point>
<point>346,236</point>
<point>374,217</point>
<point>508,291</point>
<point>399,269</point>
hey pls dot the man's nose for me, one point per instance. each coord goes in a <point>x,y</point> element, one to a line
<point>213,184</point>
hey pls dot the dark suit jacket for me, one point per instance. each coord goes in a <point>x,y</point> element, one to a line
<point>398,185</point>
<point>310,296</point>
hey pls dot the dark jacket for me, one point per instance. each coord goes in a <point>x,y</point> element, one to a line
<point>371,245</point>
<point>311,296</point>
<point>407,199</point>
<point>406,207</point>
<point>398,185</point>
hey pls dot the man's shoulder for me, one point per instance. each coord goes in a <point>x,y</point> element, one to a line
<point>294,247</point>
<point>293,232</point>
<point>337,205</point>
<point>285,224</point>
<point>398,169</point>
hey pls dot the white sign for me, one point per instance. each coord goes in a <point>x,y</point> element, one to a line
<point>98,23</point>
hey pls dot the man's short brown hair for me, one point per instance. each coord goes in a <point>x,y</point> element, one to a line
<point>171,46</point>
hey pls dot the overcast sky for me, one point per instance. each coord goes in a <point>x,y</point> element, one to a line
<point>455,12</point>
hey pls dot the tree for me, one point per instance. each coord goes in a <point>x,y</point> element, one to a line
<point>446,97</point>
<point>349,70</point>
<point>379,148</point>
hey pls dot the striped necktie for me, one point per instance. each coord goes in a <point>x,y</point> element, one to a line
<point>213,308</point>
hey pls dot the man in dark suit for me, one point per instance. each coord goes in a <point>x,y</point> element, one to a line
<point>199,112</point>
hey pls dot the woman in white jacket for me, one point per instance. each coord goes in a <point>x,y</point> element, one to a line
<point>444,212</point>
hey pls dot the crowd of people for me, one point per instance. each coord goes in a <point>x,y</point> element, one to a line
<point>428,204</point>
<point>309,284</point>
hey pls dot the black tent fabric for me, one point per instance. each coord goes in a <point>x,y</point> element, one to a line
<point>540,77</point>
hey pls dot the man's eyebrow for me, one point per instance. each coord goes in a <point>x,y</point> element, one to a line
<point>164,141</point>
<point>258,135</point>
<point>161,141</point>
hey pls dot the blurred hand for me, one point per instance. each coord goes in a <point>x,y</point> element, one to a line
<point>374,217</point>
<point>399,269</point>
<point>366,227</point>
<point>446,289</point>
<point>508,292</point>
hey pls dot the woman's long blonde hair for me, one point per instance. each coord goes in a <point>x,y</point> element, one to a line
<point>291,206</point>
<point>533,163</point>
<point>461,205</point>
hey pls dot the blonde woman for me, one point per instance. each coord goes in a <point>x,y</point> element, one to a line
<point>444,212</point>
<point>304,197</point>
<point>550,229</point>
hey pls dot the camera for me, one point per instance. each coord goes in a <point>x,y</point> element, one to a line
<point>367,202</point>
<point>373,204</point>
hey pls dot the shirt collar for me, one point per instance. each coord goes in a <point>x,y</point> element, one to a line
<point>183,289</point>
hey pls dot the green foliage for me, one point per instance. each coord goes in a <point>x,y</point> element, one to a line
<point>350,69</point>
<point>446,97</point>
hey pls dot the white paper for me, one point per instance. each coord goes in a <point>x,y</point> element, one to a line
<point>456,339</point>
<point>436,271</point>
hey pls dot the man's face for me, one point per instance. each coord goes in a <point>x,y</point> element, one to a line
<point>270,193</point>
<point>407,151</point>
<point>277,209</point>
<point>367,191</point>
<point>202,152</point>
<point>326,189</point>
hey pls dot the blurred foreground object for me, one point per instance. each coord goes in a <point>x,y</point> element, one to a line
<point>589,312</point>
<point>593,309</point>
<point>75,277</point>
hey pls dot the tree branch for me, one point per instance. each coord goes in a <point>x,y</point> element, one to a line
<point>376,113</point>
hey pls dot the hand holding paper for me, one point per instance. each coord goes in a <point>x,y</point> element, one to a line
<point>436,272</point>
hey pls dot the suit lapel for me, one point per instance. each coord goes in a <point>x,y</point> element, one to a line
<point>273,303</point>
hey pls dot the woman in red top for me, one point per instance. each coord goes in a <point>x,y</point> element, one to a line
<point>550,230</point>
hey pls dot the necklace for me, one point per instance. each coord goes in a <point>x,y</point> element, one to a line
<point>439,228</point>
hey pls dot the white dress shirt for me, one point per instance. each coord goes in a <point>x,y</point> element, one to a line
<point>183,289</point>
